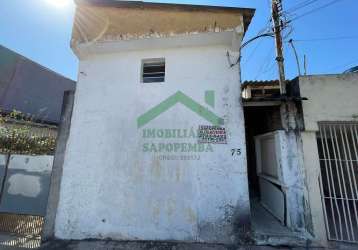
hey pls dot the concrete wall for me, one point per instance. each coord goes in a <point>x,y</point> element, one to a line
<point>293,179</point>
<point>330,98</point>
<point>61,143</point>
<point>316,223</point>
<point>115,185</point>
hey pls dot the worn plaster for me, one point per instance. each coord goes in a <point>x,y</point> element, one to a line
<point>108,23</point>
<point>112,186</point>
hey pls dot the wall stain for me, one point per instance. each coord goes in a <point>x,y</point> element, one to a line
<point>156,168</point>
<point>191,215</point>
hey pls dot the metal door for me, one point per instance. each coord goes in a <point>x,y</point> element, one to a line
<point>338,153</point>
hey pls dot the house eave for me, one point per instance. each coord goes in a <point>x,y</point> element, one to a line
<point>111,21</point>
<point>247,13</point>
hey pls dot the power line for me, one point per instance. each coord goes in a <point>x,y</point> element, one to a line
<point>301,5</point>
<point>315,10</point>
<point>256,37</point>
<point>253,52</point>
<point>326,39</point>
<point>264,32</point>
<point>232,64</point>
<point>343,65</point>
<point>265,62</point>
<point>269,67</point>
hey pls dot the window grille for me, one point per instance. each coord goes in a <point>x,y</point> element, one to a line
<point>153,70</point>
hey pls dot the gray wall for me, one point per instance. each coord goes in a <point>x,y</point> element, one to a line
<point>31,88</point>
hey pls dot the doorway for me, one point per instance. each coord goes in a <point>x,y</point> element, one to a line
<point>268,194</point>
<point>258,120</point>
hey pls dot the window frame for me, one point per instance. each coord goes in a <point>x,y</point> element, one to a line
<point>152,61</point>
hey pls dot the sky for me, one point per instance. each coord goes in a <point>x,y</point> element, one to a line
<point>41,30</point>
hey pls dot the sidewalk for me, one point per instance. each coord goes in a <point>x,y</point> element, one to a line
<point>158,245</point>
<point>22,244</point>
<point>149,245</point>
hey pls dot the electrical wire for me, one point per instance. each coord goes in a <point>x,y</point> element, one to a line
<point>264,32</point>
<point>326,39</point>
<point>315,10</point>
<point>265,63</point>
<point>301,5</point>
<point>242,46</point>
<point>256,37</point>
<point>343,65</point>
<point>253,52</point>
<point>270,67</point>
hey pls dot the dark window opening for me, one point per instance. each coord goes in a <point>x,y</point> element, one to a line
<point>153,70</point>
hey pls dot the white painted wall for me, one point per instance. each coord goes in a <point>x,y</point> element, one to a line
<point>330,98</point>
<point>313,194</point>
<point>111,188</point>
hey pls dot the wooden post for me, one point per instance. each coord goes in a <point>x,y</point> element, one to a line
<point>276,6</point>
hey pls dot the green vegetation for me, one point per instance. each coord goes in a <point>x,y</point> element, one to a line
<point>21,135</point>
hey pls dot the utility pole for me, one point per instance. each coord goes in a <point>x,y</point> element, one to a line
<point>276,20</point>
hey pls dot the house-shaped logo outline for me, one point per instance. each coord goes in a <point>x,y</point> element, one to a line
<point>179,97</point>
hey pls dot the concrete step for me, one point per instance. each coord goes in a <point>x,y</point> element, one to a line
<point>130,245</point>
<point>281,240</point>
<point>153,245</point>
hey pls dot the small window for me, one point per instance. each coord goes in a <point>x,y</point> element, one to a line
<point>153,70</point>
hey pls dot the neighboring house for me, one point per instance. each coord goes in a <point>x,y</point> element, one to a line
<point>136,167</point>
<point>30,88</point>
<point>260,89</point>
<point>317,183</point>
<point>330,152</point>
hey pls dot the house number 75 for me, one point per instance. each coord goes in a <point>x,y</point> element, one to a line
<point>236,151</point>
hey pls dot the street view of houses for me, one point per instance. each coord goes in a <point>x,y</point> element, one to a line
<point>178,124</point>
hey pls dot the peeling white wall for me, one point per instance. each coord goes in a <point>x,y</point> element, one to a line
<point>111,188</point>
<point>330,98</point>
<point>291,162</point>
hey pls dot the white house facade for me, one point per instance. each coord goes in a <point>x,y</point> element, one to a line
<point>156,149</point>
